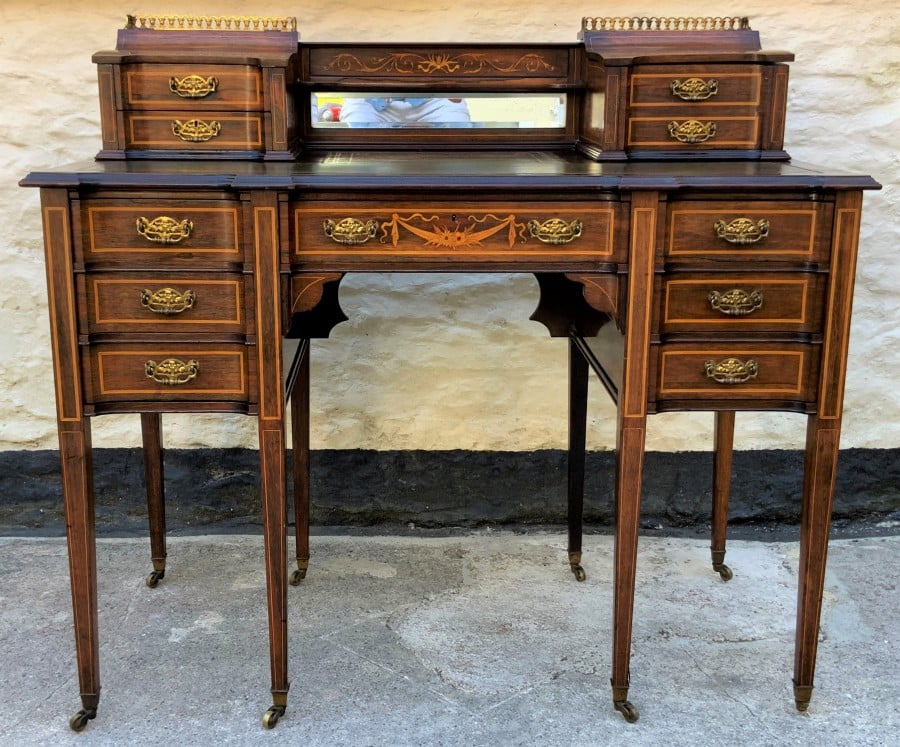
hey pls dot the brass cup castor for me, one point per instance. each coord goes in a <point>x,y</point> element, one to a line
<point>627,709</point>
<point>298,575</point>
<point>271,716</point>
<point>80,719</point>
<point>724,571</point>
<point>575,565</point>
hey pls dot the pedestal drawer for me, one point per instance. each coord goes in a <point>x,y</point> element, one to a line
<point>749,230</point>
<point>173,372</point>
<point>751,302</point>
<point>161,233</point>
<point>160,303</point>
<point>748,371</point>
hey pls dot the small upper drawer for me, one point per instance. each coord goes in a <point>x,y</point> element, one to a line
<point>691,371</point>
<point>165,302</point>
<point>161,232</point>
<point>747,302</point>
<point>194,131</point>
<point>692,87</point>
<point>192,87</point>
<point>748,230</point>
<point>467,232</point>
<point>689,133</point>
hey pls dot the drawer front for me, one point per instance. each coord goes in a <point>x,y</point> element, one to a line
<point>160,303</point>
<point>161,232</point>
<point>175,372</point>
<point>465,231</point>
<point>734,230</point>
<point>773,302</point>
<point>737,371</point>
<point>194,131</point>
<point>192,87</point>
<point>693,88</point>
<point>694,131</point>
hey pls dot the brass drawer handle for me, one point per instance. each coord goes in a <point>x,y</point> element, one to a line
<point>742,230</point>
<point>164,230</point>
<point>196,130</point>
<point>731,370</point>
<point>695,89</point>
<point>350,231</point>
<point>555,230</point>
<point>171,371</point>
<point>692,131</point>
<point>193,86</point>
<point>736,302</point>
<point>167,301</point>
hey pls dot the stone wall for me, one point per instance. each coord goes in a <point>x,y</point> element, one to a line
<point>451,362</point>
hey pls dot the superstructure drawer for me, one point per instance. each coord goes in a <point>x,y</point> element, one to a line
<point>192,87</point>
<point>692,88</point>
<point>694,131</point>
<point>194,130</point>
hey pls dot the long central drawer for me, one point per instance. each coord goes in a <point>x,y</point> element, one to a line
<point>331,233</point>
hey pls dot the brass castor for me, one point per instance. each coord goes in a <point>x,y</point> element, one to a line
<point>724,571</point>
<point>270,717</point>
<point>298,575</point>
<point>80,719</point>
<point>628,711</point>
<point>154,578</point>
<point>802,696</point>
<point>575,565</point>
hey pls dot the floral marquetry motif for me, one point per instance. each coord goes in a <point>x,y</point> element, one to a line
<point>468,63</point>
<point>458,235</point>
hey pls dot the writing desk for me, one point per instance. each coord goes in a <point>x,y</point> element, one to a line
<point>716,286</point>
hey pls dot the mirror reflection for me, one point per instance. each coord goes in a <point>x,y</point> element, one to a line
<point>401,110</point>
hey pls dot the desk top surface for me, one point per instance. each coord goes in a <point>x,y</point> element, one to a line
<point>449,170</point>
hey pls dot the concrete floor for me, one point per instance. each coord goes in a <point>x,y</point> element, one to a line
<point>481,639</point>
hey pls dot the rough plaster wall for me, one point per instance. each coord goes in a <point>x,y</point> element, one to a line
<point>439,362</point>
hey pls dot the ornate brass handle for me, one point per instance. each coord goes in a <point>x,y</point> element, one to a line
<point>695,89</point>
<point>171,371</point>
<point>167,301</point>
<point>164,230</point>
<point>555,230</point>
<point>196,130</point>
<point>742,230</point>
<point>193,86</point>
<point>351,231</point>
<point>731,370</point>
<point>736,302</point>
<point>692,131</point>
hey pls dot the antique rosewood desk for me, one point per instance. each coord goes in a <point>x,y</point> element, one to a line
<point>703,283</point>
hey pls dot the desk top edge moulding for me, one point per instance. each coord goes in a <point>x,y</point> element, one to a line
<point>689,263</point>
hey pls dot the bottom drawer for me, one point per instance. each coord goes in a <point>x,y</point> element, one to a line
<point>160,372</point>
<point>786,372</point>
